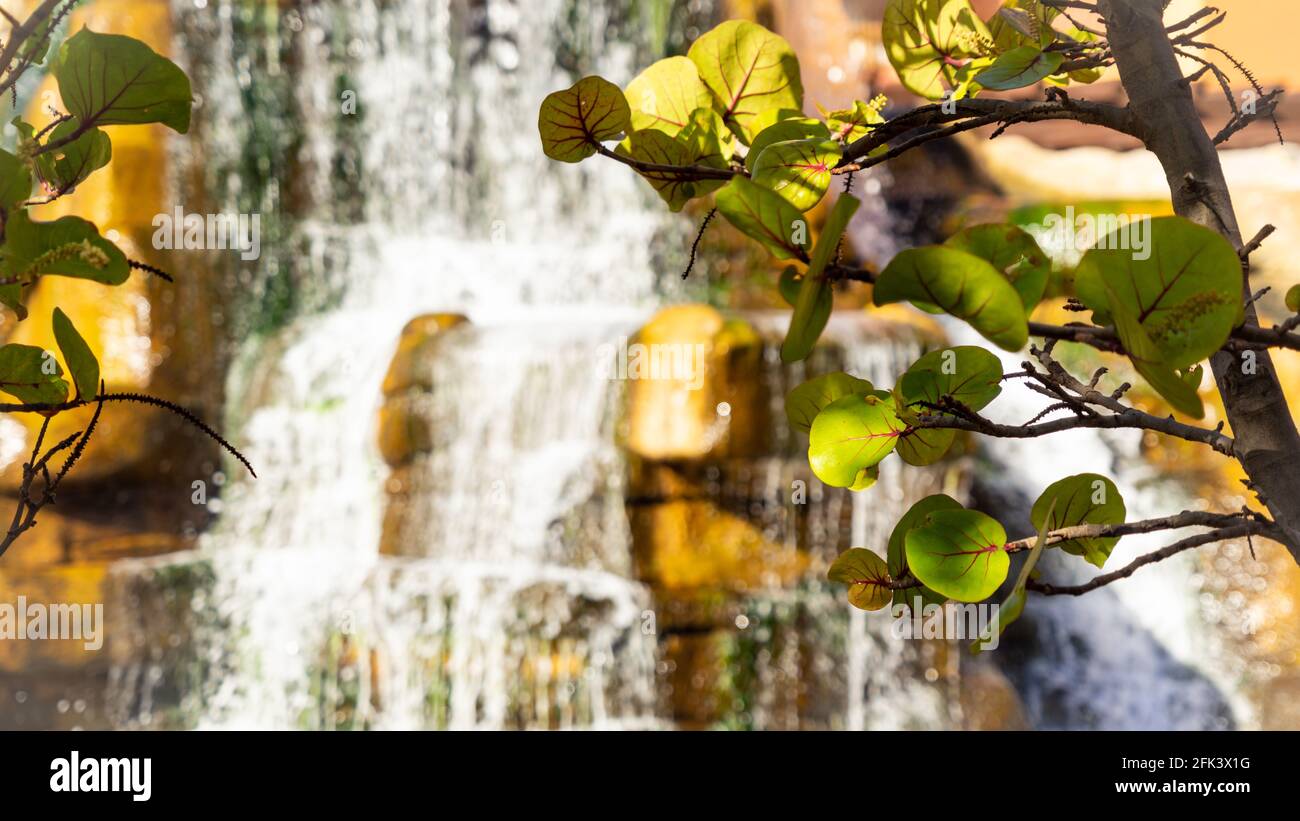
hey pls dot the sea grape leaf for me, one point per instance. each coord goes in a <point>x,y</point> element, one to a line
<point>574,122</point>
<point>931,43</point>
<point>1014,604</point>
<point>1020,67</point>
<point>963,285</point>
<point>786,131</point>
<point>82,363</point>
<point>968,374</point>
<point>32,375</point>
<point>960,554</point>
<point>1186,295</point>
<point>798,170</point>
<point>664,96</point>
<point>1293,299</point>
<point>763,216</point>
<point>15,180</point>
<point>1148,360</point>
<point>896,552</point>
<point>108,79</point>
<point>66,167</point>
<point>675,187</point>
<point>851,124</point>
<point>806,401</point>
<point>68,246</point>
<point>852,435</point>
<point>1014,252</point>
<point>1086,498</point>
<point>1022,22</point>
<point>812,309</point>
<point>749,70</point>
<point>708,141</point>
<point>866,575</point>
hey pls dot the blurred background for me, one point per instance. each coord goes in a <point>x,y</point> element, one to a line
<point>461,520</point>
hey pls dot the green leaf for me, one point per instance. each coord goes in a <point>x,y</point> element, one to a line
<point>574,122</point>
<point>1148,360</point>
<point>664,96</point>
<point>812,310</point>
<point>960,554</point>
<point>1186,295</point>
<point>785,131</point>
<point>1014,604</point>
<point>929,42</point>
<point>64,168</point>
<point>962,284</point>
<point>968,374</point>
<point>81,360</point>
<point>806,401</point>
<point>15,181</point>
<point>1012,251</point>
<point>68,246</point>
<point>659,148</point>
<point>798,170</point>
<point>851,124</point>
<point>897,550</point>
<point>1293,299</point>
<point>1022,23</point>
<point>762,215</point>
<point>850,436</point>
<point>709,142</point>
<point>749,70</point>
<point>1085,499</point>
<point>32,375</point>
<point>867,577</point>
<point>1020,67</point>
<point>108,79</point>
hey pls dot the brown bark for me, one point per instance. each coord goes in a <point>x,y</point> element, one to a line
<point>1165,118</point>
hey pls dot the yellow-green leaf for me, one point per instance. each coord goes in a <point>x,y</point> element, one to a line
<point>850,437</point>
<point>574,122</point>
<point>1020,67</point>
<point>784,131</point>
<point>930,42</point>
<point>897,552</point>
<point>1084,499</point>
<point>32,374</point>
<point>960,554</point>
<point>749,70</point>
<point>664,96</point>
<point>806,401</point>
<point>867,577</point>
<point>1012,251</point>
<point>963,285</point>
<point>799,170</point>
<point>762,215</point>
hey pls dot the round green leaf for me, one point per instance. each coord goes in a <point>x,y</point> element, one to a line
<point>866,575</point>
<point>1020,67</point>
<point>929,42</point>
<point>1186,295</point>
<point>762,215</point>
<point>798,170</point>
<point>896,552</point>
<point>806,401</point>
<point>963,285</point>
<point>851,124</point>
<point>1148,360</point>
<point>573,122</point>
<point>664,96</point>
<point>108,79</point>
<point>851,435</point>
<point>656,147</point>
<point>32,375</point>
<point>749,70</point>
<point>967,374</point>
<point>785,131</point>
<point>1086,498</point>
<point>81,360</point>
<point>1022,23</point>
<point>68,246</point>
<point>1012,251</point>
<point>1293,299</point>
<point>960,554</point>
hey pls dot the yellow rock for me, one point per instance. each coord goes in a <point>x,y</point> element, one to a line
<point>409,368</point>
<point>81,583</point>
<point>404,430</point>
<point>694,387</point>
<point>691,544</point>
